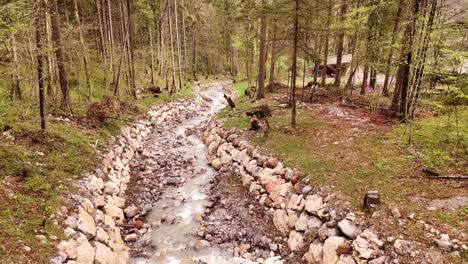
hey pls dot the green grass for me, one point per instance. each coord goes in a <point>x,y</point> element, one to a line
<point>379,160</point>
<point>38,182</point>
<point>443,145</point>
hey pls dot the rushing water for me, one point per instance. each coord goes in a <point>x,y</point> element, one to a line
<point>175,243</point>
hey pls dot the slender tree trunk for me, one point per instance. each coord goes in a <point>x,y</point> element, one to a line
<point>101,30</point>
<point>194,53</point>
<point>16,88</point>
<point>51,80</point>
<point>262,58</point>
<point>327,40</point>
<point>131,48</point>
<point>152,54</point>
<point>178,45</point>
<point>172,89</point>
<point>423,55</point>
<point>294,65</point>
<point>184,39</point>
<point>339,48</point>
<point>273,58</point>
<point>40,62</point>
<point>111,38</point>
<point>388,66</point>
<point>84,54</point>
<point>406,71</point>
<point>60,55</point>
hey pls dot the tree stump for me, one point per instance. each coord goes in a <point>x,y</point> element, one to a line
<point>371,200</point>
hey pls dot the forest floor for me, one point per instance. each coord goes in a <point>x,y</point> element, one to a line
<point>352,149</point>
<point>37,170</point>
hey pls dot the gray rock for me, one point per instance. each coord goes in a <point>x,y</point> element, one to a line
<point>280,220</point>
<point>296,202</point>
<point>403,247</point>
<point>313,203</point>
<point>349,229</point>
<point>86,223</point>
<point>131,211</point>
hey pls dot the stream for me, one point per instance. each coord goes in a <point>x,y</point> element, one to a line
<point>175,217</point>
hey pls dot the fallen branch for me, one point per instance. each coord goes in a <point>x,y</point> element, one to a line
<point>449,177</point>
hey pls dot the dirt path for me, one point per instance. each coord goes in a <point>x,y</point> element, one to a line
<point>172,184</point>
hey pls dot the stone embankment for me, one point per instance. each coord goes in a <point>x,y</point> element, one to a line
<point>304,215</point>
<point>94,226</point>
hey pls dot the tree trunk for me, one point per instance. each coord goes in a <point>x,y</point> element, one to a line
<point>51,75</point>
<point>294,65</point>
<point>16,88</point>
<point>83,47</point>
<point>273,58</point>
<point>339,48</point>
<point>60,55</point>
<point>262,53</point>
<point>40,62</point>
<point>178,45</point>
<point>422,59</point>
<point>406,70</point>
<point>131,48</point>
<point>396,28</point>
<point>171,90</point>
<point>152,54</point>
<point>327,40</point>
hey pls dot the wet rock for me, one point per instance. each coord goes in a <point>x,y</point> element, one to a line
<point>202,244</point>
<point>216,164</point>
<point>131,238</point>
<point>295,241</point>
<point>329,249</point>
<point>349,229</point>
